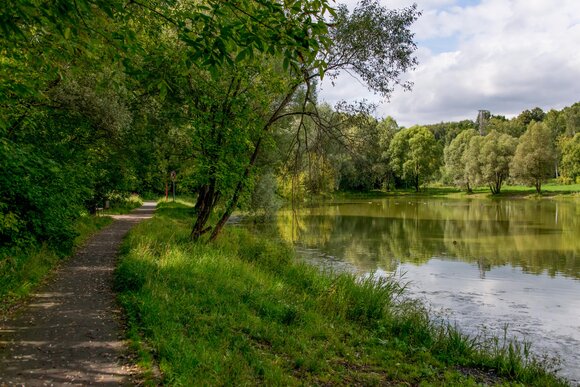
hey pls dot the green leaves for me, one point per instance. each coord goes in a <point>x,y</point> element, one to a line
<point>495,156</point>
<point>375,42</point>
<point>415,155</point>
<point>34,192</point>
<point>456,159</point>
<point>245,53</point>
<point>534,156</point>
<point>570,148</point>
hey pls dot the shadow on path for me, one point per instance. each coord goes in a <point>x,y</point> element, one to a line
<point>70,333</point>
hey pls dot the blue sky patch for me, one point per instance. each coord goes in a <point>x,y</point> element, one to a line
<point>440,44</point>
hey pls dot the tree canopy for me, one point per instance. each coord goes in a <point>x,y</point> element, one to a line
<point>108,96</point>
<point>415,155</point>
<point>534,157</point>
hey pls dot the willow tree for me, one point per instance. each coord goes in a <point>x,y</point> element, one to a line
<point>455,160</point>
<point>234,105</point>
<point>414,155</point>
<point>496,153</point>
<point>534,156</point>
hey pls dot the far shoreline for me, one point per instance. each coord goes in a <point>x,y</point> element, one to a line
<point>549,191</point>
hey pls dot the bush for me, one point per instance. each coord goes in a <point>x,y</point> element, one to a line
<point>39,199</point>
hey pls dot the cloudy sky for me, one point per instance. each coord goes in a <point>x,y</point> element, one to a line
<point>501,55</point>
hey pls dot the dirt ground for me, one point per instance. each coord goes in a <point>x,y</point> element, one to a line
<point>70,332</point>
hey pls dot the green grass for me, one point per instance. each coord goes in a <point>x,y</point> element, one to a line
<point>122,205</point>
<point>21,270</point>
<point>550,190</point>
<point>243,312</point>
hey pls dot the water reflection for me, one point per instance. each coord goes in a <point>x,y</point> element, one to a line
<point>538,236</point>
<point>470,258</point>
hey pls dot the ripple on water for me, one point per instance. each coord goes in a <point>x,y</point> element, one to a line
<point>498,306</point>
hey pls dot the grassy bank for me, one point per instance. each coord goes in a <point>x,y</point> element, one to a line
<point>242,311</point>
<point>21,270</point>
<point>549,190</point>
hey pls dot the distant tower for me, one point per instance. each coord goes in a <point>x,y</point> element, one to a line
<point>482,118</point>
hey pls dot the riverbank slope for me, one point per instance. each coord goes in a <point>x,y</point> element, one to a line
<point>243,311</point>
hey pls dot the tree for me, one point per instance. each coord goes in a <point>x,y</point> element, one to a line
<point>527,116</point>
<point>378,64</point>
<point>387,129</point>
<point>415,155</point>
<point>445,132</point>
<point>570,157</point>
<point>513,127</point>
<point>455,159</point>
<point>471,159</point>
<point>358,167</point>
<point>556,122</point>
<point>364,164</point>
<point>572,119</point>
<point>534,157</point>
<point>497,151</point>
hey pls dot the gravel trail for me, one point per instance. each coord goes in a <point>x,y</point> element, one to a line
<point>70,332</point>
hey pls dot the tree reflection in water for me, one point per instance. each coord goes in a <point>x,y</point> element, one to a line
<point>538,236</point>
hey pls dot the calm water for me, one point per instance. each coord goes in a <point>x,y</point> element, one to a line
<point>483,264</point>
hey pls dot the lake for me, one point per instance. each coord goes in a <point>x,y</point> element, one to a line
<point>481,264</point>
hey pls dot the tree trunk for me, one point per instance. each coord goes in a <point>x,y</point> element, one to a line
<point>206,199</point>
<point>234,202</point>
<point>240,186</point>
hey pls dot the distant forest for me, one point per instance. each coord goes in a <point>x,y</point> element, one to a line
<point>100,99</point>
<point>363,153</point>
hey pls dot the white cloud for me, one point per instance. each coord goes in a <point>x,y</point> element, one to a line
<point>509,55</point>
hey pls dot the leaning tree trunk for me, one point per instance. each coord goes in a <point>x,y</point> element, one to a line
<point>236,197</point>
<point>233,203</point>
<point>206,199</point>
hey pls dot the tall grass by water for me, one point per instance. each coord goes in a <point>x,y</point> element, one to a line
<point>243,311</point>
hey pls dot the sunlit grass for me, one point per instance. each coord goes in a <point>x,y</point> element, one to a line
<point>243,311</point>
<point>122,205</point>
<point>550,189</point>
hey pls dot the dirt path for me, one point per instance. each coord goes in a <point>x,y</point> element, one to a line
<point>70,333</point>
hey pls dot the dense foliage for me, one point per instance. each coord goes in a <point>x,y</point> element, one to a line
<point>99,98</point>
<point>534,158</point>
<point>364,153</point>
